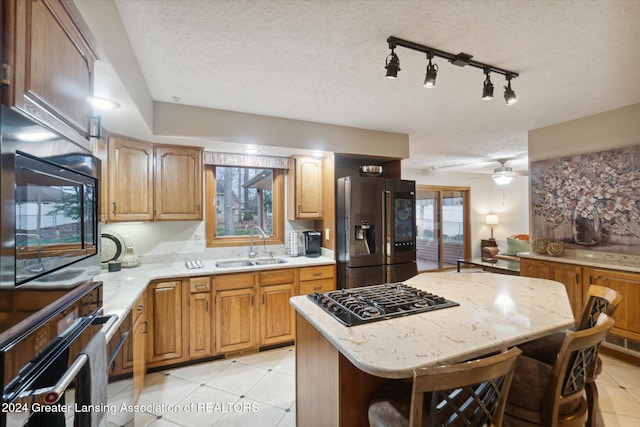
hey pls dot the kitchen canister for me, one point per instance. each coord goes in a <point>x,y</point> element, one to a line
<point>294,238</point>
<point>130,259</point>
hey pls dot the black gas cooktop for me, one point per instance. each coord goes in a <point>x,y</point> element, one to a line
<point>367,304</point>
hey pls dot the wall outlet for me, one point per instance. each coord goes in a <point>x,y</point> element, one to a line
<point>327,234</point>
<point>199,239</point>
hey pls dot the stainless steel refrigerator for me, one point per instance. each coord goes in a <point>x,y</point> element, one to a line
<point>376,231</point>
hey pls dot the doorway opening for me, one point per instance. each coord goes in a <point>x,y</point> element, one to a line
<point>443,223</point>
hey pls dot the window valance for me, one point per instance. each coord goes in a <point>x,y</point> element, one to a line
<point>239,160</point>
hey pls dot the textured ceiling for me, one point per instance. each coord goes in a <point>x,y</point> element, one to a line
<point>323,61</point>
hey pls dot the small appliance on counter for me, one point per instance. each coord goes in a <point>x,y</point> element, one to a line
<point>312,243</point>
<point>296,246</point>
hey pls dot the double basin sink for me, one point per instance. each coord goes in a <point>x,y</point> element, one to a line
<point>249,262</point>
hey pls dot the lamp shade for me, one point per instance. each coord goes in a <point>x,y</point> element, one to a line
<point>491,220</point>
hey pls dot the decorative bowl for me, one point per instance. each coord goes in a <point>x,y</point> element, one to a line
<point>539,245</point>
<point>370,170</point>
<point>555,249</point>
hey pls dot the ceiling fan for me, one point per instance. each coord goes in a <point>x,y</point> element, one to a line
<point>503,174</point>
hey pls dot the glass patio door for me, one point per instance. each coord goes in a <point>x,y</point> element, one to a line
<point>442,220</point>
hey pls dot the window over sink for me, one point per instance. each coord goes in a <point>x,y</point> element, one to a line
<point>239,198</point>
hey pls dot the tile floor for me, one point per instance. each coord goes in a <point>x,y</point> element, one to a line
<point>258,390</point>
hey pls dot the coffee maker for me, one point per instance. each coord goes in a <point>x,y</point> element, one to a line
<point>312,243</point>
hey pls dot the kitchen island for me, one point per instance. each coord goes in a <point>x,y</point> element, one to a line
<point>338,368</point>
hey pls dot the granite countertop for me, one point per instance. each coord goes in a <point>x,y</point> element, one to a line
<point>495,311</point>
<point>592,259</point>
<point>121,289</point>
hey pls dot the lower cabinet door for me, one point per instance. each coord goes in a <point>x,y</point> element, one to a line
<point>235,320</point>
<point>276,314</point>
<point>164,314</point>
<point>200,321</point>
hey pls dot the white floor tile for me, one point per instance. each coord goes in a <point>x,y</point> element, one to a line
<point>161,396</point>
<point>206,406</point>
<point>287,365</point>
<point>276,389</point>
<point>237,378</point>
<point>264,359</point>
<point>252,414</point>
<point>617,400</point>
<point>201,372</point>
<point>258,390</point>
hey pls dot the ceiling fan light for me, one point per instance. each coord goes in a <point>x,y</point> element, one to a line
<point>392,65</point>
<point>502,179</point>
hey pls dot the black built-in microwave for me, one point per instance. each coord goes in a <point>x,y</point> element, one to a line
<point>49,206</point>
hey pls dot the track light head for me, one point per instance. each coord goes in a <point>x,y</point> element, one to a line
<point>392,65</point>
<point>487,88</point>
<point>432,73</point>
<point>509,95</point>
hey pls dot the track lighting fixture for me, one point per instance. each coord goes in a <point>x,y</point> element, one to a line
<point>432,73</point>
<point>487,89</point>
<point>461,59</point>
<point>509,95</point>
<point>392,65</point>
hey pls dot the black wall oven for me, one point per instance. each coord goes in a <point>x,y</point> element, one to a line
<point>52,330</point>
<point>49,206</point>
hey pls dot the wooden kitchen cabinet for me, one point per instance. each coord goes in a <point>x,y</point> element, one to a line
<point>317,279</point>
<point>178,183</point>
<point>200,317</point>
<point>277,317</point>
<point>153,182</point>
<point>47,65</point>
<point>305,199</point>
<point>235,324</point>
<point>627,315</point>
<point>130,179</point>
<point>166,341</point>
<point>139,345</point>
<point>568,274</point>
<point>101,151</point>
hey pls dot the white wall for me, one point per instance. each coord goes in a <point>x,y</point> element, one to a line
<point>509,202</point>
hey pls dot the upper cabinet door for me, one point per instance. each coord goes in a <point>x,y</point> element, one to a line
<point>178,187</point>
<point>305,182</point>
<point>48,66</point>
<point>130,180</point>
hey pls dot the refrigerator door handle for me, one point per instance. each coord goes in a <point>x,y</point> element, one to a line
<point>386,213</point>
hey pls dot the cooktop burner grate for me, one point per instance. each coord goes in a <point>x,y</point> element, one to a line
<point>356,306</point>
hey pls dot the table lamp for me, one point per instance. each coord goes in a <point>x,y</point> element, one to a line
<point>491,220</point>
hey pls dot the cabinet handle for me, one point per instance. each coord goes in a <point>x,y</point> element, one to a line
<point>252,299</point>
<point>114,207</point>
<point>262,299</point>
<point>317,288</point>
<point>317,273</point>
<point>140,307</point>
<point>144,330</point>
<point>201,286</point>
<point>299,208</point>
<point>206,306</point>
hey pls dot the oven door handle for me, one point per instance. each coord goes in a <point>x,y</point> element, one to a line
<point>51,395</point>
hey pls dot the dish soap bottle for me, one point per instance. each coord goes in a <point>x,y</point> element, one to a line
<point>130,259</point>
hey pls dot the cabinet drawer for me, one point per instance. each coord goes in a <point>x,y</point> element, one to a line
<point>275,277</point>
<point>233,281</point>
<point>311,286</point>
<point>314,273</point>
<point>200,284</point>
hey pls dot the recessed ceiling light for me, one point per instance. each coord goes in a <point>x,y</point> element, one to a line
<point>250,150</point>
<point>104,103</point>
<point>318,154</point>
